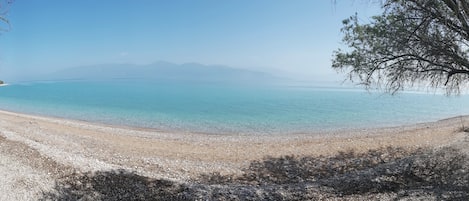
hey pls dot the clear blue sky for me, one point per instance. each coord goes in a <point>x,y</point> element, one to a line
<point>292,37</point>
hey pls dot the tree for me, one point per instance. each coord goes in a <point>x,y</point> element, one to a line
<point>4,7</point>
<point>412,43</point>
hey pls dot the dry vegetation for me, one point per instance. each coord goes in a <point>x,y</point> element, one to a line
<point>383,174</point>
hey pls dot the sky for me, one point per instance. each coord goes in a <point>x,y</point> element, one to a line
<point>294,38</point>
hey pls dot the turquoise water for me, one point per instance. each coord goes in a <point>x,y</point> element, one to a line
<point>225,108</point>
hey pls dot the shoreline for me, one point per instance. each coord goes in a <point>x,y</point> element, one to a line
<point>320,132</point>
<point>62,145</point>
<point>66,127</point>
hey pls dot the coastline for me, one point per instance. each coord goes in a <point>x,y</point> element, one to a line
<point>52,147</point>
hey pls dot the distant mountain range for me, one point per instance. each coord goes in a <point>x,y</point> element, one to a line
<point>162,71</point>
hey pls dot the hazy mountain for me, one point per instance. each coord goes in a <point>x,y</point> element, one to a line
<point>162,70</point>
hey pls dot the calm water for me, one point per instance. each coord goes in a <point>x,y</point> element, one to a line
<point>223,108</point>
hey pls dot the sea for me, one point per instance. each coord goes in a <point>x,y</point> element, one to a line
<point>224,108</point>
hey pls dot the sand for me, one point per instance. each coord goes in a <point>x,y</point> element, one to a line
<point>35,151</point>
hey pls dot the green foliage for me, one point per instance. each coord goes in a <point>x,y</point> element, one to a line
<point>413,42</point>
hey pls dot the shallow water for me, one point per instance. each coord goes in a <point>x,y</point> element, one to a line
<point>226,108</point>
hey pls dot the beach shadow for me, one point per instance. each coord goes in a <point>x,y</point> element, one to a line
<point>442,175</point>
<point>114,185</point>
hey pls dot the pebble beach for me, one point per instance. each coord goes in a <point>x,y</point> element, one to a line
<point>36,152</point>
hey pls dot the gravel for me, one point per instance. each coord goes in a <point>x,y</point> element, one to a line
<point>57,159</point>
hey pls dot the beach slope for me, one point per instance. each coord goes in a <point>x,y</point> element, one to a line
<point>44,158</point>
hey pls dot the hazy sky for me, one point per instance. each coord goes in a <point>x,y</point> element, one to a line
<point>293,37</point>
